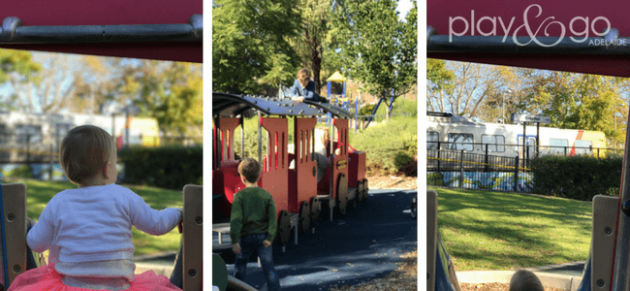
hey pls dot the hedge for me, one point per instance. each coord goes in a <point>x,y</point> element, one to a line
<point>164,167</point>
<point>580,177</point>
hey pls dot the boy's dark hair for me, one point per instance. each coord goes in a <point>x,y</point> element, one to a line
<point>524,280</point>
<point>250,169</point>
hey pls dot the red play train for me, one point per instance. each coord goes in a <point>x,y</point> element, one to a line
<point>298,196</point>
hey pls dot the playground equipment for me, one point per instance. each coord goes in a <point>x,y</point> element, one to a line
<point>295,190</point>
<point>607,266</point>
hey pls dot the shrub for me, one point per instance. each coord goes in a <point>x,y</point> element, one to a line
<point>165,167</point>
<point>579,177</point>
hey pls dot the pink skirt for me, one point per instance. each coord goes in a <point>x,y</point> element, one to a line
<point>45,278</point>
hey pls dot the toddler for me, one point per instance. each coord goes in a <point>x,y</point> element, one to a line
<point>90,227</point>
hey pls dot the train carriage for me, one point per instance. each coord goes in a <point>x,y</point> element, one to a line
<point>452,132</point>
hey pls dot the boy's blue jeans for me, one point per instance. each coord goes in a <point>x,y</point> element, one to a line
<point>254,242</point>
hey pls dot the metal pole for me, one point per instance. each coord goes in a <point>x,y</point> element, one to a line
<point>242,137</point>
<point>524,137</point>
<point>28,149</point>
<point>516,175</point>
<point>260,137</point>
<point>461,170</point>
<point>537,139</point>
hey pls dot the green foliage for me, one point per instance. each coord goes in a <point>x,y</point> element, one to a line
<point>165,167</point>
<point>489,230</point>
<point>168,91</point>
<point>439,76</point>
<point>23,171</point>
<point>391,147</point>
<point>377,49</point>
<point>580,177</point>
<point>20,64</point>
<point>250,43</point>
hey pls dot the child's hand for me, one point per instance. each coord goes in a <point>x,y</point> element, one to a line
<point>337,152</point>
<point>236,248</point>
<point>266,243</point>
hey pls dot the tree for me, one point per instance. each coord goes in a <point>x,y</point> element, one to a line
<point>315,14</point>
<point>171,92</point>
<point>250,44</point>
<point>376,48</point>
<point>16,68</point>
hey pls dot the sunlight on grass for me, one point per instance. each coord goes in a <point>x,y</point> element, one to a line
<point>40,192</point>
<point>484,230</point>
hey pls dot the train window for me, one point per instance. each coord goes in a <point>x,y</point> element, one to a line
<point>28,133</point>
<point>460,141</point>
<point>583,147</point>
<point>558,146</point>
<point>432,140</point>
<point>496,143</point>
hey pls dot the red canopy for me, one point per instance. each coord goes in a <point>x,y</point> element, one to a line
<point>570,15</point>
<point>109,12</point>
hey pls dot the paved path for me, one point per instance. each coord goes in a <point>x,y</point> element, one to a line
<point>363,245</point>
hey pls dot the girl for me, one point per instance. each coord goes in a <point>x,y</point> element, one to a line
<point>303,88</point>
<point>88,229</point>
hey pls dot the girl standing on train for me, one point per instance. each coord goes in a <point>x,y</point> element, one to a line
<point>91,225</point>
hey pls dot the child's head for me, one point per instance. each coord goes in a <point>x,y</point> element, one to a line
<point>322,135</point>
<point>524,280</point>
<point>85,152</point>
<point>304,76</point>
<point>249,169</point>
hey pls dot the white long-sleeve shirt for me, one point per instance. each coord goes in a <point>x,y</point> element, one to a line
<point>93,224</point>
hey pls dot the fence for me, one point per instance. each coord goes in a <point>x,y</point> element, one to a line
<point>468,170</point>
<point>511,150</point>
<point>20,154</point>
<point>450,168</point>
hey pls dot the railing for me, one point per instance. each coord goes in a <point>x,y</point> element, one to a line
<point>511,150</point>
<point>450,168</point>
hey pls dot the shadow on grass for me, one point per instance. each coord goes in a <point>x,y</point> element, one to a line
<point>493,230</point>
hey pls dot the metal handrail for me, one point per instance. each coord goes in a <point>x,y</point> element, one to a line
<point>12,32</point>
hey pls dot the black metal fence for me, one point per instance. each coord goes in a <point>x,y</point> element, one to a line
<point>489,170</point>
<point>461,169</point>
<point>531,151</point>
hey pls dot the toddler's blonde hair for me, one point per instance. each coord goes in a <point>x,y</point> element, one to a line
<point>84,152</point>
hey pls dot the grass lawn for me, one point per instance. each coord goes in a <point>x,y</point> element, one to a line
<point>40,192</point>
<point>484,230</point>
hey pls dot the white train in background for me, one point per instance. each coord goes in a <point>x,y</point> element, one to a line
<point>43,131</point>
<point>459,133</point>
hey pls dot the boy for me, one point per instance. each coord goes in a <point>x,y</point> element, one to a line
<point>524,280</point>
<point>253,224</point>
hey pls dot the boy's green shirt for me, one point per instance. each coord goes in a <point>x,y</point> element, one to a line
<point>253,211</point>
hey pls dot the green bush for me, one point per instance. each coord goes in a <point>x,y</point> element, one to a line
<point>391,147</point>
<point>165,167</point>
<point>578,178</point>
<point>23,171</point>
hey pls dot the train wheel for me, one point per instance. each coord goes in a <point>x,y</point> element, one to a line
<point>365,189</point>
<point>342,194</point>
<point>316,210</point>
<point>359,196</point>
<point>284,228</point>
<point>305,217</point>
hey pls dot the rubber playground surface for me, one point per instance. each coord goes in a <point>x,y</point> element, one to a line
<point>363,245</point>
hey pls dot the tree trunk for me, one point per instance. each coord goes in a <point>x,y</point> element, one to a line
<point>316,61</point>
